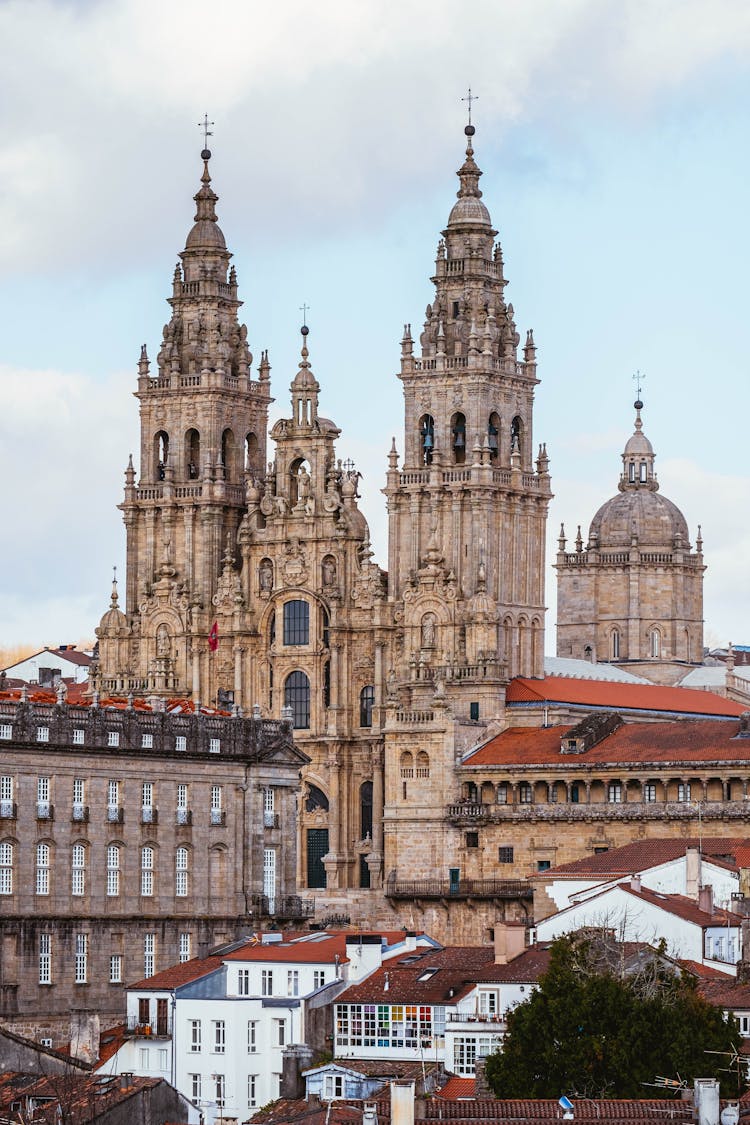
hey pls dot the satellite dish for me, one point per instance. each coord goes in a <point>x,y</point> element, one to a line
<point>730,1115</point>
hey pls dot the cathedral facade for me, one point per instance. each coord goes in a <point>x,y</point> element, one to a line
<point>250,576</point>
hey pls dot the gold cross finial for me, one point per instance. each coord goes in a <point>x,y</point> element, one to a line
<point>204,125</point>
<point>470,98</point>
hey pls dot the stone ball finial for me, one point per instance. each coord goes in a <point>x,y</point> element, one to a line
<point>469,130</point>
<point>206,154</point>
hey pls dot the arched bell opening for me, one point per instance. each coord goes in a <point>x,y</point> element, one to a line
<point>458,438</point>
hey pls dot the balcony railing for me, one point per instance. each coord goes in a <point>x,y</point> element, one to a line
<point>270,820</point>
<point>460,889</point>
<point>115,814</point>
<point>149,814</point>
<point>471,813</point>
<point>44,810</point>
<point>283,906</point>
<point>156,1027</point>
<point>476,1017</point>
<point>184,816</point>
<point>79,813</point>
<point>7,810</point>
<point>218,816</point>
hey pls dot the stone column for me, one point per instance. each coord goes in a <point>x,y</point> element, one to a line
<point>375,858</point>
<point>238,680</point>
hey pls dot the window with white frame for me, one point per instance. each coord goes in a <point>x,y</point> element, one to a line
<point>79,798</point>
<point>266,982</point>
<point>649,791</point>
<point>333,1087</point>
<point>147,741</point>
<point>243,982</point>
<point>214,745</point>
<point>525,793</point>
<point>147,871</point>
<point>464,1054</point>
<point>163,1059</point>
<point>42,869</point>
<point>252,1086</point>
<point>186,944</point>
<point>683,791</point>
<point>6,795</point>
<point>252,1036</point>
<point>149,955</point>
<point>195,1087</point>
<point>113,800</point>
<point>81,958</point>
<point>614,793</point>
<point>6,868</point>
<point>216,804</point>
<point>78,870</point>
<point>115,968</point>
<point>113,870</point>
<point>182,803</point>
<point>743,1019</point>
<point>280,1036</point>
<point>292,982</point>
<point>488,1001</point>
<point>268,807</point>
<point>43,809</point>
<point>6,730</point>
<point>145,1062</point>
<point>181,872</point>
<point>45,958</point>
<point>79,736</point>
<point>113,738</point>
<point>319,978</point>
<point>220,1037</point>
<point>147,802</point>
<point>180,742</point>
<point>194,1036</point>
<point>220,1087</point>
<point>42,734</point>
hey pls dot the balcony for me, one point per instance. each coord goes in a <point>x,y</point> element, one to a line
<point>79,813</point>
<point>184,816</point>
<point>475,814</point>
<point>460,889</point>
<point>8,810</point>
<point>494,1021</point>
<point>290,907</point>
<point>115,814</point>
<point>270,820</point>
<point>149,1029</point>
<point>218,816</point>
<point>149,815</point>
<point>45,810</point>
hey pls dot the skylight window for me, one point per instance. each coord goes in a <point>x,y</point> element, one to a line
<point>427,974</point>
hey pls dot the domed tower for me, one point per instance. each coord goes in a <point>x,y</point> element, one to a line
<point>634,594</point>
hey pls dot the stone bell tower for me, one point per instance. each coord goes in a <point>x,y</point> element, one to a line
<point>203,432</point>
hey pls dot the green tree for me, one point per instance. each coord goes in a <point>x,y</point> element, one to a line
<point>593,1030</point>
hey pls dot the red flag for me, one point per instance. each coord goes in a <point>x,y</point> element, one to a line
<point>213,637</point>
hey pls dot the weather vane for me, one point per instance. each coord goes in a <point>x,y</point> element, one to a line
<point>638,379</point>
<point>470,98</point>
<point>303,309</point>
<point>204,125</point>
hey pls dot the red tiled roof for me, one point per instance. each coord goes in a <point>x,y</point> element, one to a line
<point>725,993</point>
<point>696,741</point>
<point>639,855</point>
<point>684,907</point>
<point>304,950</point>
<point>179,974</point>
<point>458,1088</point>
<point>617,696</point>
<point>110,1042</point>
<point>78,695</point>
<point>704,972</point>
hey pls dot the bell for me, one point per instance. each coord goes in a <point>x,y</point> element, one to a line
<point>460,439</point>
<point>428,440</point>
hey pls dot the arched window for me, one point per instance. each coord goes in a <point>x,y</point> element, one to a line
<point>643,472</point>
<point>227,454</point>
<point>516,435</point>
<point>458,438</point>
<point>407,764</point>
<point>78,870</point>
<point>181,873</point>
<point>6,868</point>
<point>251,452</point>
<point>423,764</point>
<point>316,799</point>
<point>42,869</point>
<point>365,810</point>
<point>192,454</point>
<point>113,870</point>
<point>427,437</point>
<point>296,622</point>
<point>493,436</point>
<point>615,645</point>
<point>366,703</point>
<point>161,454</point>
<point>297,696</point>
<point>654,644</point>
<point>147,870</point>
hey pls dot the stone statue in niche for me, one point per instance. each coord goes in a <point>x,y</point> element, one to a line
<point>329,571</point>
<point>265,576</point>
<point>163,641</point>
<point>428,630</point>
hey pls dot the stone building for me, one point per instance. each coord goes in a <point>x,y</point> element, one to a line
<point>252,582</point>
<point>634,594</point>
<point>130,839</point>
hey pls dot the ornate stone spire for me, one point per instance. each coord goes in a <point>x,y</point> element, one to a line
<point>638,458</point>
<point>304,388</point>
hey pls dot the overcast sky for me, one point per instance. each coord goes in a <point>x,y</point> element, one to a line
<point>613,138</point>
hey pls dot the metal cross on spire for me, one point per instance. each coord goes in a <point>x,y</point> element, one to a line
<point>470,98</point>
<point>303,309</point>
<point>204,125</point>
<point>638,379</point>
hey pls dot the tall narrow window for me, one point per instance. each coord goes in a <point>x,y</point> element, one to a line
<point>181,873</point>
<point>149,955</point>
<point>161,454</point>
<point>147,803</point>
<point>183,817</point>
<point>655,644</point>
<point>266,982</point>
<point>269,878</point>
<point>185,946</point>
<point>493,436</point>
<point>81,958</point>
<point>615,644</point>
<point>78,871</point>
<point>292,982</point>
<point>366,704</point>
<point>427,436</point>
<point>113,801</point>
<point>79,798</point>
<point>6,868</point>
<point>45,958</point>
<point>42,869</point>
<point>217,811</point>
<point>269,807</point>
<point>516,436</point>
<point>227,454</point>
<point>296,622</point>
<point>6,796</point>
<point>113,871</point>
<point>297,696</point>
<point>147,870</point>
<point>458,438</point>
<point>192,454</point>
<point>115,968</point>
<point>43,808</point>
<point>644,476</point>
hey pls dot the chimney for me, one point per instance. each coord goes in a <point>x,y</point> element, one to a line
<point>706,899</point>
<point>410,941</point>
<point>635,882</point>
<point>402,1103</point>
<point>370,1114</point>
<point>510,941</point>
<point>706,1100</point>
<point>294,1059</point>
<point>692,872</point>
<point>84,1035</point>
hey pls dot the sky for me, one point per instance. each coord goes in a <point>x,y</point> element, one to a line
<point>613,139</point>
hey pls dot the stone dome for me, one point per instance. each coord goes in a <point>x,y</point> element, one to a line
<point>206,234</point>
<point>640,512</point>
<point>468,209</point>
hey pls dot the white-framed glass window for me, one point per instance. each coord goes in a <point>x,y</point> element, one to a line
<point>220,1087</point>
<point>81,958</point>
<point>113,870</point>
<point>743,1019</point>
<point>214,745</point>
<point>182,803</point>
<point>252,1037</point>
<point>243,982</point>
<point>113,800</point>
<point>6,795</point>
<point>614,793</point>
<point>78,870</point>
<point>180,742</point>
<point>319,978</point>
<point>194,1036</point>
<point>113,738</point>
<point>45,958</point>
<point>147,870</point>
<point>292,982</point>
<point>269,807</point>
<point>269,877</point>
<point>149,954</point>
<point>42,734</point>
<point>42,798</point>
<point>252,1087</point>
<point>145,1061</point>
<point>525,793</point>
<point>147,802</point>
<point>79,736</point>
<point>6,730</point>
<point>115,968</point>
<point>42,869</point>
<point>333,1087</point>
<point>266,982</point>
<point>280,1036</point>
<point>683,791</point>
<point>79,797</point>
<point>219,1037</point>
<point>649,792</point>
<point>147,741</point>
<point>216,804</point>
<point>186,944</point>
<point>6,868</point>
<point>181,872</point>
<point>195,1087</point>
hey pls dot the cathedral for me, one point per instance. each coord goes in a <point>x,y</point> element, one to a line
<point>250,577</point>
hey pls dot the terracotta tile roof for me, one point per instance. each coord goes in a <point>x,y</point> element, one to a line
<point>110,1042</point>
<point>726,993</point>
<point>323,950</point>
<point>78,695</point>
<point>684,907</point>
<point>620,697</point>
<point>179,974</point>
<point>457,1088</point>
<point>704,972</point>
<point>81,1096</point>
<point>639,855</point>
<point>694,741</point>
